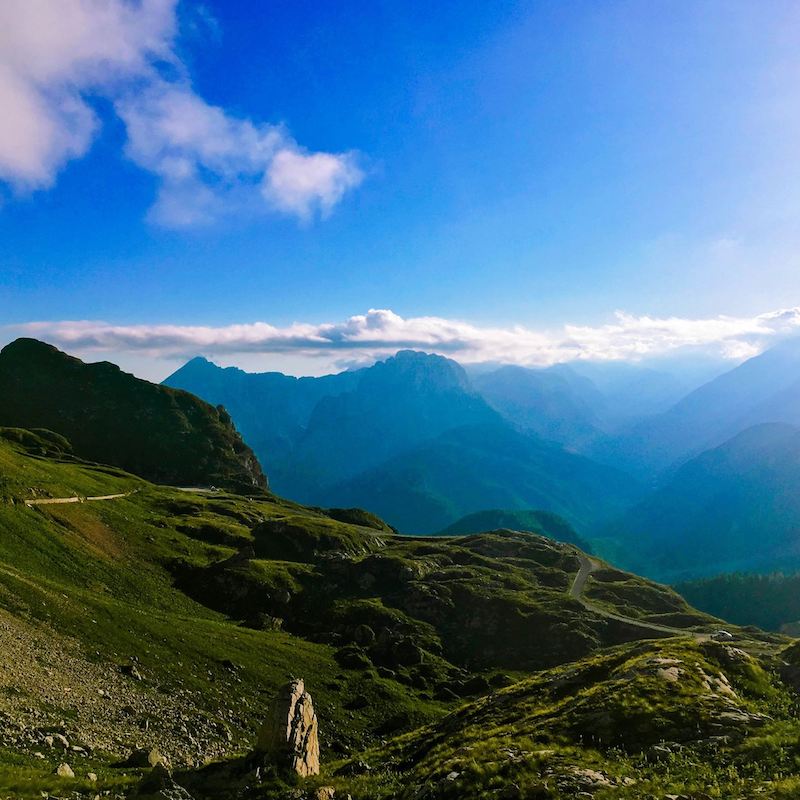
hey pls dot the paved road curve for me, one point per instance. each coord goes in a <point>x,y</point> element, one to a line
<point>588,566</point>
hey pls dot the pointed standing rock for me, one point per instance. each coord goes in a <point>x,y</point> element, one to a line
<point>289,736</point>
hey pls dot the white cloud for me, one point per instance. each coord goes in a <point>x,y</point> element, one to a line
<point>53,55</point>
<point>382,332</point>
<point>297,182</point>
<point>57,55</point>
<point>39,135</point>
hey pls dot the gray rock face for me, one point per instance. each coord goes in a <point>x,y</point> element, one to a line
<point>289,737</point>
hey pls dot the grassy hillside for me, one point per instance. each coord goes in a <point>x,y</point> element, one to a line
<point>162,434</point>
<point>648,720</point>
<point>168,618</point>
<point>88,589</point>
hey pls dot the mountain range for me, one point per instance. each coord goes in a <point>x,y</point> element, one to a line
<point>410,438</point>
<point>672,486</point>
<point>582,403</point>
<point>472,468</point>
<point>423,444</point>
<point>732,508</point>
<point>765,388</point>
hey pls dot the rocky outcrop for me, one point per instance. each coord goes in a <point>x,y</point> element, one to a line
<point>289,737</point>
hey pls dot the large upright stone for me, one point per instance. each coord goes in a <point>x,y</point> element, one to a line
<point>289,735</point>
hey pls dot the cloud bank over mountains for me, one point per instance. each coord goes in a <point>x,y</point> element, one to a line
<point>381,332</point>
<point>59,60</point>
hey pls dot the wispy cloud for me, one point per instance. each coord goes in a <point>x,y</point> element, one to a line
<point>381,332</point>
<point>58,56</point>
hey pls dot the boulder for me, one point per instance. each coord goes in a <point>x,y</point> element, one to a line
<point>406,653</point>
<point>158,784</point>
<point>131,671</point>
<point>64,771</point>
<point>57,741</point>
<point>351,657</point>
<point>363,635</point>
<point>143,758</point>
<point>289,737</point>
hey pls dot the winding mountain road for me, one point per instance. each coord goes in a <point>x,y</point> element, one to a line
<point>588,566</point>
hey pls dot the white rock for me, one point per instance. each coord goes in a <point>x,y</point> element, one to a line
<point>64,771</point>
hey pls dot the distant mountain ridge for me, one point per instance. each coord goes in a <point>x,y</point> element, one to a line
<point>108,416</point>
<point>554,404</point>
<point>734,507</point>
<point>271,409</point>
<point>352,438</point>
<point>396,405</point>
<point>763,389</point>
<point>317,431</point>
<point>473,468</point>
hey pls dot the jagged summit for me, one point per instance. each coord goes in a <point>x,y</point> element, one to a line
<point>416,369</point>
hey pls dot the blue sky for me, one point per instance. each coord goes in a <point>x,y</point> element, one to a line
<point>494,166</point>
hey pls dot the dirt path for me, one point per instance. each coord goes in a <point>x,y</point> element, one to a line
<point>50,501</point>
<point>588,566</point>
